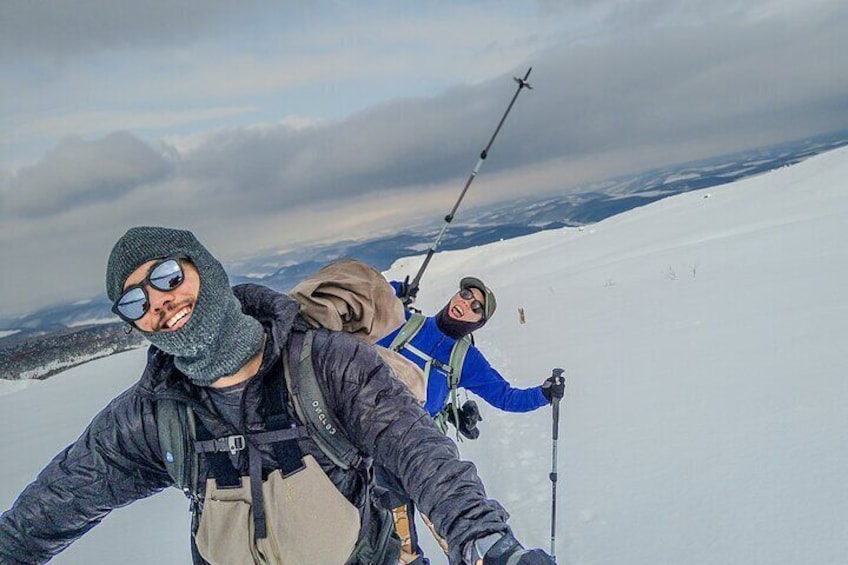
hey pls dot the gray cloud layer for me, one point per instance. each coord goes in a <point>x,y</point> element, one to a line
<point>80,173</point>
<point>44,28</point>
<point>736,83</point>
<point>635,97</point>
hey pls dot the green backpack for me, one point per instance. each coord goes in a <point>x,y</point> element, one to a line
<point>453,369</point>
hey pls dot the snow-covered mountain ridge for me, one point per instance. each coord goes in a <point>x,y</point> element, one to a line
<point>706,410</point>
<point>474,226</point>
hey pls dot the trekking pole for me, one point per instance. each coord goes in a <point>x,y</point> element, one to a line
<point>557,376</point>
<point>412,287</point>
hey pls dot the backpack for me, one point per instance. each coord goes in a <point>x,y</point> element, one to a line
<point>453,369</point>
<point>180,443</point>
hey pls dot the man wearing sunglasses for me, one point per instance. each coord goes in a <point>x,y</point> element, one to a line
<point>432,345</point>
<point>468,310</point>
<point>219,351</point>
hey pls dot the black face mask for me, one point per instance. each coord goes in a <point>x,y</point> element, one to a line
<point>455,328</point>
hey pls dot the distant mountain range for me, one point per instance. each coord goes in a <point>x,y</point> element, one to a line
<point>524,216</point>
<point>52,339</point>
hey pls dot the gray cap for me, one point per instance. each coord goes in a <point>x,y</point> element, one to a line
<point>490,304</point>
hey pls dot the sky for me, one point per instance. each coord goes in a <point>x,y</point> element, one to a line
<point>704,418</point>
<point>266,125</point>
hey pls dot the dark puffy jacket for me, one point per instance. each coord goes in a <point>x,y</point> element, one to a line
<point>118,460</point>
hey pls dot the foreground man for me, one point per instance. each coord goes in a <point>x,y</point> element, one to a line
<point>265,490</point>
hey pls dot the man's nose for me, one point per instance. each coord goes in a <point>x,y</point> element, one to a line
<point>159,299</point>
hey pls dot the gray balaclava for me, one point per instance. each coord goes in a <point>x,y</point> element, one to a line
<point>218,338</point>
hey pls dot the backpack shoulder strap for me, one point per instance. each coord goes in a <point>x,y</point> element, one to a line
<point>457,359</point>
<point>311,406</point>
<point>409,330</point>
<point>176,426</point>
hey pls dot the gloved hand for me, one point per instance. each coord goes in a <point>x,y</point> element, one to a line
<point>554,387</point>
<point>508,550</point>
<point>469,416</point>
<point>405,291</point>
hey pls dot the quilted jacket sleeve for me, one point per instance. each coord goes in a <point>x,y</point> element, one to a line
<point>114,462</point>
<point>386,422</point>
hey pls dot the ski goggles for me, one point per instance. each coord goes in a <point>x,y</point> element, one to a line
<point>476,306</point>
<point>165,275</point>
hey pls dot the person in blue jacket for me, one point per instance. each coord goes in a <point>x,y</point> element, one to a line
<point>468,310</point>
<point>431,347</point>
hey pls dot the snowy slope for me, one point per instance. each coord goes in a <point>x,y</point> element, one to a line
<point>706,417</point>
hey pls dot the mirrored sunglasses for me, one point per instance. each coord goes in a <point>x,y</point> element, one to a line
<point>165,275</point>
<point>476,305</point>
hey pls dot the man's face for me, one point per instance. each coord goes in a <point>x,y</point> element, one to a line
<point>460,308</point>
<point>168,310</point>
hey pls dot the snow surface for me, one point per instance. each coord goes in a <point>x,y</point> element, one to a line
<point>706,415</point>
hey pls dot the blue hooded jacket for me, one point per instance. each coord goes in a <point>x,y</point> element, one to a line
<point>477,375</point>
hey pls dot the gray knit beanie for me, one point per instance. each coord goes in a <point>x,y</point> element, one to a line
<point>219,338</point>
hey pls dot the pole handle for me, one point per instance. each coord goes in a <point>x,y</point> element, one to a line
<point>556,374</point>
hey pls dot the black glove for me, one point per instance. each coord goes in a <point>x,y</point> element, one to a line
<point>468,415</point>
<point>406,292</point>
<point>508,550</point>
<point>554,387</point>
